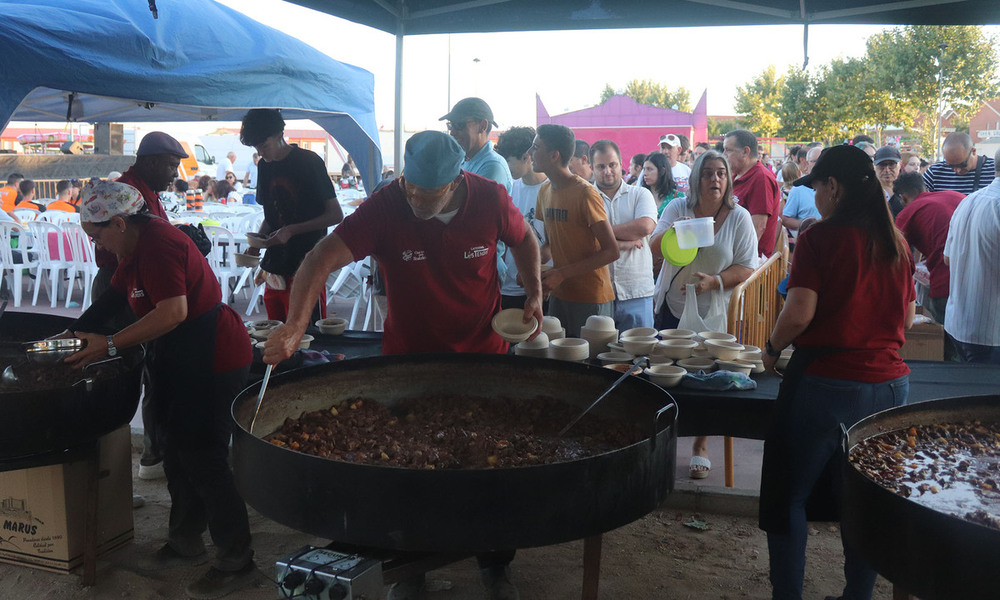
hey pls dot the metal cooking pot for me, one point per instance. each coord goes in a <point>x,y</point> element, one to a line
<point>41,421</point>
<point>928,553</point>
<point>469,510</point>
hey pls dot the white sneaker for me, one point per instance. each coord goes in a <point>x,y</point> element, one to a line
<point>152,471</point>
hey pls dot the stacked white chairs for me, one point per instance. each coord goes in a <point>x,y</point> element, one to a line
<point>220,258</point>
<point>354,281</point>
<point>53,259</point>
<point>84,263</point>
<point>13,270</point>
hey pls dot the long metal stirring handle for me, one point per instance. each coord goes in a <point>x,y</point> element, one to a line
<point>260,395</point>
<point>624,376</point>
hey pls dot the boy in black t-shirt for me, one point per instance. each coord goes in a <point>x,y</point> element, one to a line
<point>299,204</point>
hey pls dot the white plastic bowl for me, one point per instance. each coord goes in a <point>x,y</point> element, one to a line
<point>509,325</point>
<point>614,357</point>
<point>676,334</point>
<point>665,375</point>
<point>551,324</point>
<point>675,348</point>
<point>654,359</point>
<point>736,366</point>
<point>600,323</point>
<point>693,365</point>
<point>716,335</point>
<point>305,341</point>
<point>723,350</point>
<point>541,342</point>
<point>332,326</point>
<point>573,349</point>
<point>640,332</point>
<point>639,345</point>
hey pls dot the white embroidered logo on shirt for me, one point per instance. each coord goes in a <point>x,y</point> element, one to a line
<point>476,252</point>
<point>412,255</point>
<point>138,294</point>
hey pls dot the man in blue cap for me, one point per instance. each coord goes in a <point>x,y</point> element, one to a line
<point>434,232</point>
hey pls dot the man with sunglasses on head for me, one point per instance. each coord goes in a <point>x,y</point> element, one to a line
<point>961,170</point>
<point>434,232</point>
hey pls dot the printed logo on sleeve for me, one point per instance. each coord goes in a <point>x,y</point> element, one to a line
<point>137,294</point>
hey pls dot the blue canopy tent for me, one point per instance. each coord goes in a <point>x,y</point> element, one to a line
<point>110,60</point>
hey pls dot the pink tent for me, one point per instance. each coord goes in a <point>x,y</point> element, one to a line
<point>636,128</point>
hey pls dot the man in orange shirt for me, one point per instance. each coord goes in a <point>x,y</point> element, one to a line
<point>577,232</point>
<point>10,192</point>
<point>64,193</point>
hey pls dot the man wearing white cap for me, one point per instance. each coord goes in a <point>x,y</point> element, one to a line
<point>671,146</point>
<point>434,232</point>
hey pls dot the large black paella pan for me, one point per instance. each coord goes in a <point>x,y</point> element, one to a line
<point>937,543</point>
<point>455,510</point>
<point>49,411</point>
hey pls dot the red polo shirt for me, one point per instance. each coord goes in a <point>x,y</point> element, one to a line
<point>441,279</point>
<point>758,191</point>
<point>924,222</point>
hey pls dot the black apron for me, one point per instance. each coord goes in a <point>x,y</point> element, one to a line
<point>181,365</point>
<point>823,503</point>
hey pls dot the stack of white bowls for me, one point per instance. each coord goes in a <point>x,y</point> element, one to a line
<point>553,328</point>
<point>752,355</point>
<point>571,349</point>
<point>536,348</point>
<point>599,332</point>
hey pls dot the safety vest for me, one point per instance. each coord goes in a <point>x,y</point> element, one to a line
<point>194,200</point>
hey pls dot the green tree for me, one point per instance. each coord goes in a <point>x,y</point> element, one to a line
<point>647,91</point>
<point>760,101</point>
<point>720,127</point>
<point>909,61</point>
<point>802,114</point>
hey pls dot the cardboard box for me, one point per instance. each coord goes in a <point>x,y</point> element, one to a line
<point>924,342</point>
<point>42,509</point>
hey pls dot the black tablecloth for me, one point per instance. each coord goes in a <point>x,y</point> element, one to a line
<point>736,414</point>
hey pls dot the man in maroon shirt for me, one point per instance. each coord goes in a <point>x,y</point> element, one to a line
<point>155,168</point>
<point>754,186</point>
<point>924,221</point>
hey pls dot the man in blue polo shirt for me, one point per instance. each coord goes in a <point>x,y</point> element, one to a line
<point>470,122</point>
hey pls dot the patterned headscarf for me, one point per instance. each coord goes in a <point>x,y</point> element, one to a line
<point>105,199</point>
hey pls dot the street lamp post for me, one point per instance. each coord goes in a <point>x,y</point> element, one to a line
<point>939,110</point>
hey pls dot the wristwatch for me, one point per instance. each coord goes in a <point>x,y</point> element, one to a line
<point>112,351</point>
<point>770,349</point>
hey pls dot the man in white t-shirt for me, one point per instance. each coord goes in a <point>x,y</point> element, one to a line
<point>250,177</point>
<point>225,166</point>
<point>670,146</point>
<point>513,145</point>
<point>632,214</point>
<point>974,288</point>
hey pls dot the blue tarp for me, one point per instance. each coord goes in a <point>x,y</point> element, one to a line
<point>199,61</point>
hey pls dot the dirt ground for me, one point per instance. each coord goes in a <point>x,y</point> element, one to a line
<point>656,557</point>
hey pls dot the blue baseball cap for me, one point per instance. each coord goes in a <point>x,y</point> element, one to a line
<point>432,159</point>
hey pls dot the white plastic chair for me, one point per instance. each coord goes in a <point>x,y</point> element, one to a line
<point>220,258</point>
<point>58,217</point>
<point>84,263</point>
<point>12,271</point>
<point>52,258</point>
<point>25,215</point>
